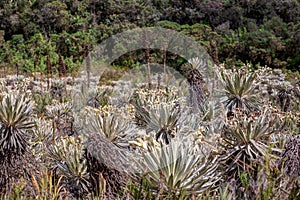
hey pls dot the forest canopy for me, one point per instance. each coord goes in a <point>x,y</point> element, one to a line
<point>265,32</point>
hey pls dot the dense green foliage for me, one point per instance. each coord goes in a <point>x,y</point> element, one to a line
<point>56,35</point>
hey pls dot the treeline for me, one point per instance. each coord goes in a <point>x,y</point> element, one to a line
<point>39,35</point>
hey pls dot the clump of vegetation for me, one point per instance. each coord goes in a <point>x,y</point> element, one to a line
<point>239,90</point>
<point>175,170</point>
<point>236,137</point>
<point>15,126</point>
<point>152,144</point>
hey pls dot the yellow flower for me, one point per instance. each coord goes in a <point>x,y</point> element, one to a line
<point>156,102</point>
<point>200,130</point>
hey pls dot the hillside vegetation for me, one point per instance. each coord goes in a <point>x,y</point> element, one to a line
<point>153,124</point>
<point>262,33</point>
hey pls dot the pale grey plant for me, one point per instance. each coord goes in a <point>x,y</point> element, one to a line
<point>176,168</point>
<point>67,155</point>
<point>163,119</point>
<point>58,109</point>
<point>15,122</point>
<point>116,128</point>
<point>196,74</point>
<point>93,97</point>
<point>62,116</point>
<point>41,138</point>
<point>211,114</point>
<point>239,89</point>
<point>248,137</point>
<point>122,93</point>
<point>159,111</point>
<point>16,126</point>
